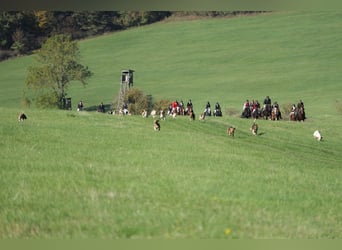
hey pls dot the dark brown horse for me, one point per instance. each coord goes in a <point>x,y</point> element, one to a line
<point>300,114</point>
<point>191,114</point>
<point>181,110</point>
<point>266,111</point>
<point>255,113</point>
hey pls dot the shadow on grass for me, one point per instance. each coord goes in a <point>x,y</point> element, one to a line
<point>107,107</point>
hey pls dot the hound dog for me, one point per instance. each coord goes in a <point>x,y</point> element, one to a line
<point>202,116</point>
<point>318,136</point>
<point>156,125</point>
<point>22,117</point>
<point>144,113</point>
<point>162,114</point>
<point>231,131</point>
<point>153,113</point>
<point>254,128</point>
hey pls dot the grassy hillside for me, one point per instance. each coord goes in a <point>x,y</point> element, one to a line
<point>68,174</point>
<point>284,55</point>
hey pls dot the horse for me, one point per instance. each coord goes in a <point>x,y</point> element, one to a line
<point>300,114</point>
<point>192,115</point>
<point>293,116</point>
<point>181,110</point>
<point>266,111</point>
<point>246,113</point>
<point>190,112</point>
<point>255,113</point>
<point>207,111</point>
<point>217,112</point>
<point>275,114</point>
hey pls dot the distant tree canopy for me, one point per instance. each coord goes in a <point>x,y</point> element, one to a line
<point>57,65</point>
<point>25,31</point>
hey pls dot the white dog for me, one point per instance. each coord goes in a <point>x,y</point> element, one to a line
<point>153,113</point>
<point>317,135</point>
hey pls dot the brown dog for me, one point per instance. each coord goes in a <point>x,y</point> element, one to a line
<point>144,113</point>
<point>254,128</point>
<point>231,131</point>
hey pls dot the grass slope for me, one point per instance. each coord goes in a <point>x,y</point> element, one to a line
<point>83,175</point>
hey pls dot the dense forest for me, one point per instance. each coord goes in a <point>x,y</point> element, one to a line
<point>21,32</point>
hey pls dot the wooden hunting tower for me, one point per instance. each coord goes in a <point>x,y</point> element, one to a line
<point>125,83</point>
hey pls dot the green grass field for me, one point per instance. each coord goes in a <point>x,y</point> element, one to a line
<point>68,174</point>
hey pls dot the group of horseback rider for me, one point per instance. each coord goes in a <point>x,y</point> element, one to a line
<point>297,113</point>
<point>178,108</point>
<point>250,109</point>
<point>217,110</point>
<point>272,111</point>
<point>253,109</point>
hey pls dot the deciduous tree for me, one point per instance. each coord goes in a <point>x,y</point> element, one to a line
<point>57,65</point>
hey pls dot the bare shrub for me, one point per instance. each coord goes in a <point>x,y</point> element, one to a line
<point>136,100</point>
<point>286,110</point>
<point>161,104</point>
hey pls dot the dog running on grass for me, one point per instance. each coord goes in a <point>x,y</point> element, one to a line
<point>202,116</point>
<point>254,128</point>
<point>231,131</point>
<point>22,117</point>
<point>162,114</point>
<point>317,135</point>
<point>144,113</point>
<point>156,125</point>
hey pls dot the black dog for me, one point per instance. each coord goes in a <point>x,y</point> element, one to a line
<point>156,125</point>
<point>22,117</point>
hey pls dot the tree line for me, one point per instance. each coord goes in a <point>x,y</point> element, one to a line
<point>21,32</point>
